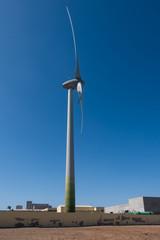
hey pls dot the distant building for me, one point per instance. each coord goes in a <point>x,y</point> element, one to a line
<point>98,209</point>
<point>140,204</point>
<point>19,207</point>
<point>30,205</point>
<point>61,208</point>
<point>49,210</point>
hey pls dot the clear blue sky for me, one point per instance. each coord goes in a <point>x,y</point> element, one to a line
<point>118,155</point>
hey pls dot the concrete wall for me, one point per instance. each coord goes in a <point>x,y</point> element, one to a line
<point>117,209</point>
<point>136,204</point>
<point>152,204</point>
<point>52,219</point>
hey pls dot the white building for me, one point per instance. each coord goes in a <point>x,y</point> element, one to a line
<point>140,204</point>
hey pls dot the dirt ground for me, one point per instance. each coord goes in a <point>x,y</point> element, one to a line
<point>86,233</point>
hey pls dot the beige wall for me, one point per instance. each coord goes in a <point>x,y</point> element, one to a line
<point>52,219</point>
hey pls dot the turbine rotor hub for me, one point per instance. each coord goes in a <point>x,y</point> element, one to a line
<point>72,83</point>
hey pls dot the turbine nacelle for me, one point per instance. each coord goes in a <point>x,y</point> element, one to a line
<point>72,83</point>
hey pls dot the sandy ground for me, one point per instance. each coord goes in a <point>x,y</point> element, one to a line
<point>86,233</point>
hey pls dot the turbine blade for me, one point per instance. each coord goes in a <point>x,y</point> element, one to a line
<point>82,114</point>
<point>79,99</point>
<point>77,74</point>
<point>79,90</point>
<point>77,71</point>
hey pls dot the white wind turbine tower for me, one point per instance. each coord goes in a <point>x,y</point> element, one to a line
<point>76,83</point>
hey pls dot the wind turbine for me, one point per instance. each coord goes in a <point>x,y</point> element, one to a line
<point>76,83</point>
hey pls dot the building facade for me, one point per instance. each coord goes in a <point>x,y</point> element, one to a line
<point>19,207</point>
<point>61,208</point>
<point>30,205</point>
<point>140,204</point>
